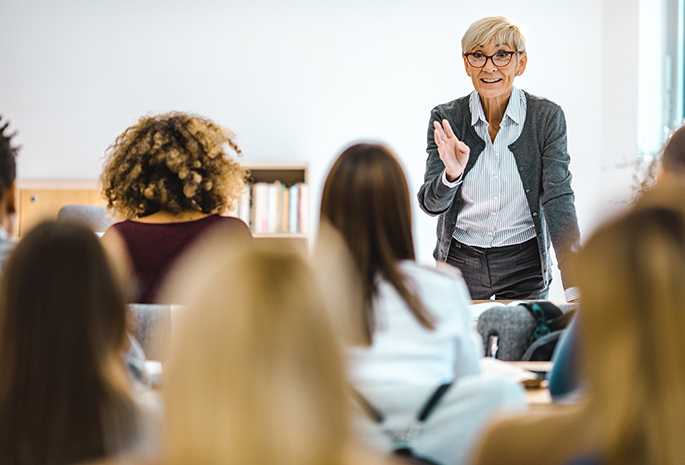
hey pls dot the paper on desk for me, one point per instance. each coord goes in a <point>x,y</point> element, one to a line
<point>497,368</point>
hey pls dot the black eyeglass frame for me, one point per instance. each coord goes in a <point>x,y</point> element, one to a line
<point>491,58</point>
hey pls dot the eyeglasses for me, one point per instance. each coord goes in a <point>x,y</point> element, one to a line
<point>499,59</point>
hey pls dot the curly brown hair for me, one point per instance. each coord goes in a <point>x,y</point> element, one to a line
<point>174,162</point>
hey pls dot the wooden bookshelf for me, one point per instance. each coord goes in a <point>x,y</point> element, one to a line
<point>286,175</point>
<point>38,200</point>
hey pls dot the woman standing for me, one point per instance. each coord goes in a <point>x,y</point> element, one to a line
<point>497,174</point>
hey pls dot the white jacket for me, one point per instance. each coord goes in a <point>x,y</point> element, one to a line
<point>403,351</point>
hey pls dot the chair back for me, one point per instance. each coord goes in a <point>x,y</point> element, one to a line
<point>93,216</point>
<point>150,324</point>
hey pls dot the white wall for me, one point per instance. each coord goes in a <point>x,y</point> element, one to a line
<point>299,80</point>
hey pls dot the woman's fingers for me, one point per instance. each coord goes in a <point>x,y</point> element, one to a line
<point>439,134</point>
<point>448,129</point>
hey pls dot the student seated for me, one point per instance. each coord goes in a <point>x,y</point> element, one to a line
<point>564,380</point>
<point>415,323</point>
<point>632,352</point>
<point>256,375</point>
<point>410,332</point>
<point>171,178</point>
<point>65,393</point>
<point>8,172</point>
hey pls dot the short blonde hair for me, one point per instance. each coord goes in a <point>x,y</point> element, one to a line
<point>498,29</point>
<point>173,161</point>
<point>257,374</point>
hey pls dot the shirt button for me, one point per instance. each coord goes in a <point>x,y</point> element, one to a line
<point>520,169</point>
<point>494,198</point>
<point>492,213</point>
<point>489,234</point>
<point>494,177</point>
<point>527,191</point>
<point>535,213</point>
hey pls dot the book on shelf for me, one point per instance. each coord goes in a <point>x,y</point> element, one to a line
<point>270,208</point>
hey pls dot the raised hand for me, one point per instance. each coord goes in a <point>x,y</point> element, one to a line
<point>453,152</point>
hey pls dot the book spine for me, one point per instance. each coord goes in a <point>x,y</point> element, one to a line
<point>293,210</point>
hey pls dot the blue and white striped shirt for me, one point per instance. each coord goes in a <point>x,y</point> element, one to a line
<point>495,212</point>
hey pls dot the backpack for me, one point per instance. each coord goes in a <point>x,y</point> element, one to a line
<point>550,323</point>
<point>525,331</point>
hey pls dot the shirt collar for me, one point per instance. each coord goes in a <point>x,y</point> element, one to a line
<point>515,110</point>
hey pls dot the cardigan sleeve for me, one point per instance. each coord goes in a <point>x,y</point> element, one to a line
<point>434,196</point>
<point>557,197</point>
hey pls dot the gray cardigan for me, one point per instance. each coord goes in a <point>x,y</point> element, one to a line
<point>542,161</point>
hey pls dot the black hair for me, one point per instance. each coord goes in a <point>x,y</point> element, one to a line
<point>8,165</point>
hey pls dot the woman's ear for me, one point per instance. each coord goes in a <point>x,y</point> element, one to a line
<point>523,60</point>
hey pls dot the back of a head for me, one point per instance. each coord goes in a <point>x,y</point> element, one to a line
<point>366,198</point>
<point>174,161</point>
<point>62,326</point>
<point>673,155</point>
<point>631,274</point>
<point>8,167</point>
<point>257,376</point>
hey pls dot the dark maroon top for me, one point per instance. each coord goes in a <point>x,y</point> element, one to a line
<point>154,247</point>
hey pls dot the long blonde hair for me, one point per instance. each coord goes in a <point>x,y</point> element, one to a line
<point>257,375</point>
<point>632,276</point>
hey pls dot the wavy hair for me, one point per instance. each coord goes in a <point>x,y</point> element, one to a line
<point>174,162</point>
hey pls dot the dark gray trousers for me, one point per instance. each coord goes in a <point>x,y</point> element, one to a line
<point>506,273</point>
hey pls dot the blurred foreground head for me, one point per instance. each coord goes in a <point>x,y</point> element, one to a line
<point>632,276</point>
<point>64,392</point>
<point>256,375</point>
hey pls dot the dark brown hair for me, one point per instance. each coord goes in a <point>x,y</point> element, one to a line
<point>366,198</point>
<point>174,162</point>
<point>62,329</point>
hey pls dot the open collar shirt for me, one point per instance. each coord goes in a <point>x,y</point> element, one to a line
<point>495,212</point>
